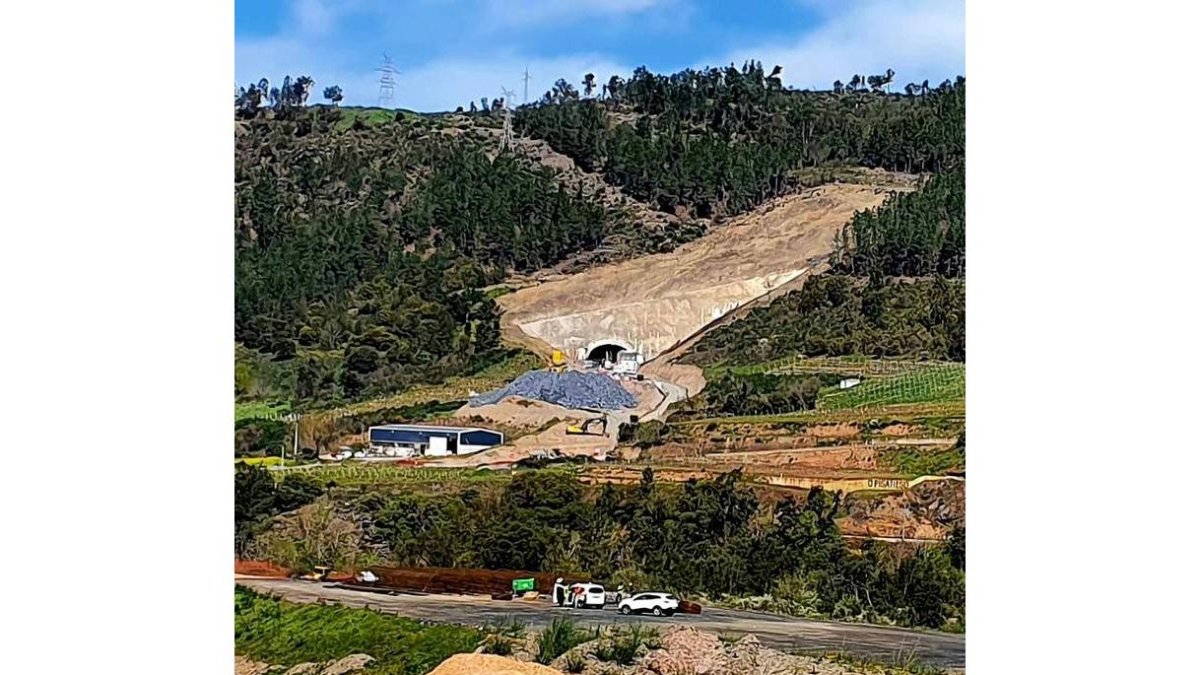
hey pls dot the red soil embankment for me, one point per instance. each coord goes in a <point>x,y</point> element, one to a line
<point>258,568</point>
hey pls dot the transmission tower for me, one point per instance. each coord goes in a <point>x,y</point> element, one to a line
<point>387,81</point>
<point>526,78</point>
<point>505,96</point>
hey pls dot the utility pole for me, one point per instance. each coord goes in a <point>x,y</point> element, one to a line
<point>506,141</point>
<point>294,418</point>
<point>387,82</point>
<point>526,78</point>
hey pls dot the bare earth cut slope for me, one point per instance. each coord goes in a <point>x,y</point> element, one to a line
<point>651,303</point>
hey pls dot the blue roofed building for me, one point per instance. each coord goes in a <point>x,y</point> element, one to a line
<point>431,440</point>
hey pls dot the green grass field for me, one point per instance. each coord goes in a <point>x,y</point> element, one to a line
<point>259,410</point>
<point>264,461</point>
<point>369,116</point>
<point>282,633</point>
<point>922,461</point>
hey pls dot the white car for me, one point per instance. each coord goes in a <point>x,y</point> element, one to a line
<point>585,595</point>
<point>658,604</point>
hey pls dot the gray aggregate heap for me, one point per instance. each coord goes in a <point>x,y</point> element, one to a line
<point>572,389</point>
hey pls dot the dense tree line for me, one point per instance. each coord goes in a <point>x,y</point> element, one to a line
<point>722,140</point>
<point>257,497</point>
<point>759,394</point>
<point>258,437</point>
<point>837,315</point>
<point>291,93</point>
<point>712,537</point>
<point>914,234</point>
<point>361,254</point>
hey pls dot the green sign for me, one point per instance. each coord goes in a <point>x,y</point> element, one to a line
<point>523,585</point>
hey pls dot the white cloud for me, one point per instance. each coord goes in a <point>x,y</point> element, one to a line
<point>503,13</point>
<point>314,17</point>
<point>919,40</point>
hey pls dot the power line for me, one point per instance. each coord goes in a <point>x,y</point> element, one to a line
<point>387,82</point>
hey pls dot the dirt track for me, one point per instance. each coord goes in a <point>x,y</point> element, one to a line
<point>780,632</point>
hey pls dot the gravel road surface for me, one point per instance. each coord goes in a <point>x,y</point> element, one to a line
<point>781,632</point>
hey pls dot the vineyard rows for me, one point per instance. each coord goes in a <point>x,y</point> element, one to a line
<point>351,474</point>
<point>839,365</point>
<point>899,413</point>
<point>929,384</point>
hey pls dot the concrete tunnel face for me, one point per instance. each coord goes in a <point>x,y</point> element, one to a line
<point>606,350</point>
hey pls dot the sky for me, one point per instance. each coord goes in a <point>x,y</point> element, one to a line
<point>450,52</point>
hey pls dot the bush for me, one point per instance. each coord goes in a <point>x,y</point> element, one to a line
<point>558,638</point>
<point>574,663</point>
<point>497,645</point>
<point>317,535</point>
<point>258,437</point>
<point>798,595</point>
<point>648,434</point>
<point>623,646</point>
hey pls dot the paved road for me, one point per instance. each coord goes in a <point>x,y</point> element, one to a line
<point>780,632</point>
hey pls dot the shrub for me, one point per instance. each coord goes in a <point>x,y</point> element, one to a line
<point>498,645</point>
<point>648,434</point>
<point>558,638</point>
<point>574,663</point>
<point>622,646</point>
<point>509,626</point>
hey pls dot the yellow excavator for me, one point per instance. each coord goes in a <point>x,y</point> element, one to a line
<point>558,362</point>
<point>581,428</point>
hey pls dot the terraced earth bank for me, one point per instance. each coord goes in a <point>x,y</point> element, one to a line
<point>653,302</point>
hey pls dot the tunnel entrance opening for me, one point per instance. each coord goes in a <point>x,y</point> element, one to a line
<point>605,353</point>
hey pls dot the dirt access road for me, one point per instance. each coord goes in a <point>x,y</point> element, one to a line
<point>781,632</point>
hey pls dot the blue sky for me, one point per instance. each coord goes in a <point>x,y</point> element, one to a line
<point>450,52</point>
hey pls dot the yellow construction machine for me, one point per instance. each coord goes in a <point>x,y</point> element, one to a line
<point>581,428</point>
<point>558,362</point>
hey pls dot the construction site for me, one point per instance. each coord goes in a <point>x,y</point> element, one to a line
<point>610,338</point>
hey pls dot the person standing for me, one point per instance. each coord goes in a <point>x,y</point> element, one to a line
<point>560,592</point>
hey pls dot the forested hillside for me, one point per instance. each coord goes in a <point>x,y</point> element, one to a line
<point>896,289</point>
<point>835,315</point>
<point>913,234</point>
<point>361,253</point>
<point>723,140</point>
<point>364,240</point>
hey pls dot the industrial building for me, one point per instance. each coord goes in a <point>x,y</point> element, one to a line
<point>430,440</point>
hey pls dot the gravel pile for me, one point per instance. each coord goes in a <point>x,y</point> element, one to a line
<point>572,389</point>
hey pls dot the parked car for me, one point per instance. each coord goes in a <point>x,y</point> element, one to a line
<point>585,595</point>
<point>658,604</point>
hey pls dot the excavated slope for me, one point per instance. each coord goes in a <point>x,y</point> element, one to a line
<point>653,302</point>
